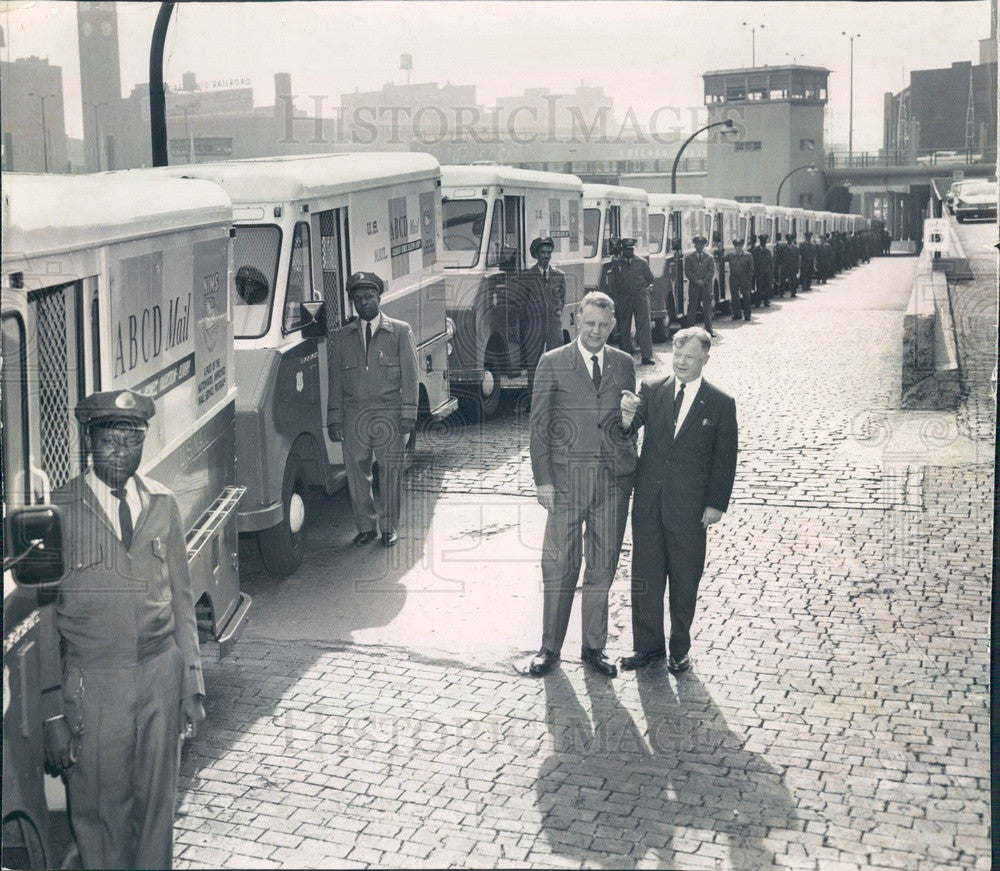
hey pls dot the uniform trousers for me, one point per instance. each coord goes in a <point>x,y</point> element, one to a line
<point>739,293</point>
<point>374,434</point>
<point>665,559</point>
<point>123,787</point>
<point>587,524</point>
<point>634,303</point>
<point>704,294</point>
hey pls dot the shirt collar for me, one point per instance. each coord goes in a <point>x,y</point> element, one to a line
<point>588,354</point>
<point>376,322</point>
<point>690,389</point>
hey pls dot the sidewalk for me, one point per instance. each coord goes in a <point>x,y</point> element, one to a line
<point>836,715</point>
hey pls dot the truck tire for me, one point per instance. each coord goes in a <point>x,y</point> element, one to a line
<point>483,401</point>
<point>281,545</point>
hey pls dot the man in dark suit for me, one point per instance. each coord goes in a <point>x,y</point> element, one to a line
<point>582,460</point>
<point>740,279</point>
<point>699,269</point>
<point>763,269</point>
<point>372,405</point>
<point>120,649</point>
<point>540,310</point>
<point>683,484</point>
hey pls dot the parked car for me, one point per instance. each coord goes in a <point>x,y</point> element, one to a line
<point>975,199</point>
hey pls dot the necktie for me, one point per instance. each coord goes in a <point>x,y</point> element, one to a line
<point>124,516</point>
<point>368,338</point>
<point>545,275</point>
<point>595,371</point>
<point>678,402</point>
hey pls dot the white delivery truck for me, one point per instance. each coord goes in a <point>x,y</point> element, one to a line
<point>674,221</point>
<point>491,214</point>
<point>612,212</point>
<point>303,225</point>
<point>109,282</point>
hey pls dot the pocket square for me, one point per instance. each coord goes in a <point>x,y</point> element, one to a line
<point>706,422</point>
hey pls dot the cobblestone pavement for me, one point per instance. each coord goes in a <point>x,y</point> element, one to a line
<point>836,716</point>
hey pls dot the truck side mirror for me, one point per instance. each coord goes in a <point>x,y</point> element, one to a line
<point>36,546</point>
<point>313,318</point>
<point>508,257</point>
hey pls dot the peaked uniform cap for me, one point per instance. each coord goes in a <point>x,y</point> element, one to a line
<point>365,279</point>
<point>126,405</point>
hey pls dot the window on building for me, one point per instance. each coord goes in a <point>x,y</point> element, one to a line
<point>748,198</point>
<point>749,145</point>
<point>807,145</point>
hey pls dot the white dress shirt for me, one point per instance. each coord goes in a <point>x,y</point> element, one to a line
<point>690,391</point>
<point>376,322</point>
<point>588,354</point>
<point>109,502</point>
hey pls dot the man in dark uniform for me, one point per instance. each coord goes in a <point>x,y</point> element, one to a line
<point>792,265</point>
<point>129,681</point>
<point>824,258</point>
<point>740,280</point>
<point>634,281</point>
<point>780,265</point>
<point>540,313</point>
<point>763,271</point>
<point>699,269</point>
<point>372,405</point>
<point>807,260</point>
<point>837,243</point>
<point>610,280</point>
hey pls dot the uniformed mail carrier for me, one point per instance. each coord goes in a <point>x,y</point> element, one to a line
<point>109,282</point>
<point>303,224</point>
<point>491,214</point>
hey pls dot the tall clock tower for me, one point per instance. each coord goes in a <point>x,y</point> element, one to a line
<point>100,79</point>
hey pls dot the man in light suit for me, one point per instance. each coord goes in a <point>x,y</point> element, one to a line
<point>120,646</point>
<point>582,460</point>
<point>683,484</point>
<point>372,405</point>
<point>544,289</point>
<point>699,269</point>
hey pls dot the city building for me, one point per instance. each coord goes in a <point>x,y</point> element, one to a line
<point>100,80</point>
<point>31,116</point>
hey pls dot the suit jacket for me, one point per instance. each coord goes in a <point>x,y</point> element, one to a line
<point>695,470</point>
<point>573,424</point>
<point>386,381</point>
<point>115,604</point>
<point>551,293</point>
<point>699,269</point>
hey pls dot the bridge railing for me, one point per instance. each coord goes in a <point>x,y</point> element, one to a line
<point>909,157</point>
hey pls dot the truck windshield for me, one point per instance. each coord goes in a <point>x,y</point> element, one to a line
<point>255,257</point>
<point>591,231</point>
<point>463,225</point>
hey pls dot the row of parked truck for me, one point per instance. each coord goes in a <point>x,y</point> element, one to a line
<point>214,288</point>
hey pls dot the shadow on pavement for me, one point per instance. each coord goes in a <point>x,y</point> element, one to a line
<point>611,784</point>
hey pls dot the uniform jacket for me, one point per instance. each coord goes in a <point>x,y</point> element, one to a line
<point>575,425</point>
<point>634,275</point>
<point>386,381</point>
<point>807,254</point>
<point>694,470</point>
<point>763,263</point>
<point>792,258</point>
<point>551,293</point>
<point>116,605</point>
<point>699,268</point>
<point>740,267</point>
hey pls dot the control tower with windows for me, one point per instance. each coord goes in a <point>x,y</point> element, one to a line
<point>778,116</point>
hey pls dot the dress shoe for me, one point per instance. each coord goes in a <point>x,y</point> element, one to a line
<point>600,663</point>
<point>648,361</point>
<point>389,539</point>
<point>638,660</point>
<point>677,666</point>
<point>543,662</point>
<point>365,537</point>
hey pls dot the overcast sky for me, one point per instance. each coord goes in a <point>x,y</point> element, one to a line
<point>646,55</point>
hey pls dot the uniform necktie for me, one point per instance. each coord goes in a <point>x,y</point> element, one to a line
<point>595,371</point>
<point>545,275</point>
<point>678,402</point>
<point>368,338</point>
<point>124,516</point>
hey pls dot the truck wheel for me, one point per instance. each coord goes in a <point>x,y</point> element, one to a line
<point>281,545</point>
<point>482,402</point>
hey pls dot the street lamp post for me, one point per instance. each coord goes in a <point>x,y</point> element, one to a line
<point>850,123</point>
<point>753,41</point>
<point>809,167</point>
<point>45,133</point>
<point>677,157</point>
